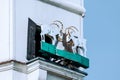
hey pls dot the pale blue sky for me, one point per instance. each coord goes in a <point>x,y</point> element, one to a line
<point>102,31</point>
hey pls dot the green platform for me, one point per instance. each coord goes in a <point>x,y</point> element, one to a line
<point>76,58</point>
<point>48,48</point>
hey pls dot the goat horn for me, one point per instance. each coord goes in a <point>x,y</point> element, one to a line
<point>68,34</point>
<point>59,22</point>
<point>69,29</point>
<point>55,24</point>
<point>74,28</point>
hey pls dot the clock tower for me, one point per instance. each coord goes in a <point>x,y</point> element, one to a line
<point>42,40</point>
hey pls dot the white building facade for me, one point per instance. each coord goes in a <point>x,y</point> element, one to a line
<point>14,15</point>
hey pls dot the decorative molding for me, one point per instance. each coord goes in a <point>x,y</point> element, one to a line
<point>36,64</point>
<point>13,65</point>
<point>67,5</point>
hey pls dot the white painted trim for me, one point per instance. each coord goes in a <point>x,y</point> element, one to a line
<point>13,65</point>
<point>6,67</point>
<point>36,64</point>
<point>11,29</point>
<point>32,66</point>
<point>53,68</point>
<point>67,5</point>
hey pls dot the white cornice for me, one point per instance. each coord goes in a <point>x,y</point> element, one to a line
<point>13,65</point>
<point>67,5</point>
<point>36,64</point>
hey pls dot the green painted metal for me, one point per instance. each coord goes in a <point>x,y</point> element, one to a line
<point>83,61</point>
<point>48,47</point>
<point>78,59</point>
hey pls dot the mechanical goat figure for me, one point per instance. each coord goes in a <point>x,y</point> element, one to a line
<point>62,38</point>
<point>50,31</point>
<point>78,46</point>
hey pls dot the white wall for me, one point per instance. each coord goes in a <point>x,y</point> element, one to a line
<point>6,75</point>
<point>79,2</point>
<point>19,75</point>
<point>12,75</point>
<point>41,13</point>
<point>38,74</point>
<point>4,30</point>
<point>14,16</point>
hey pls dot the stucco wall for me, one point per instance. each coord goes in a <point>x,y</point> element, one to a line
<point>14,16</point>
<point>4,30</point>
<point>41,13</point>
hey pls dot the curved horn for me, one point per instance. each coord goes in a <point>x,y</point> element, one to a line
<point>74,28</point>
<point>69,29</point>
<point>55,24</point>
<point>59,22</point>
<point>68,33</point>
